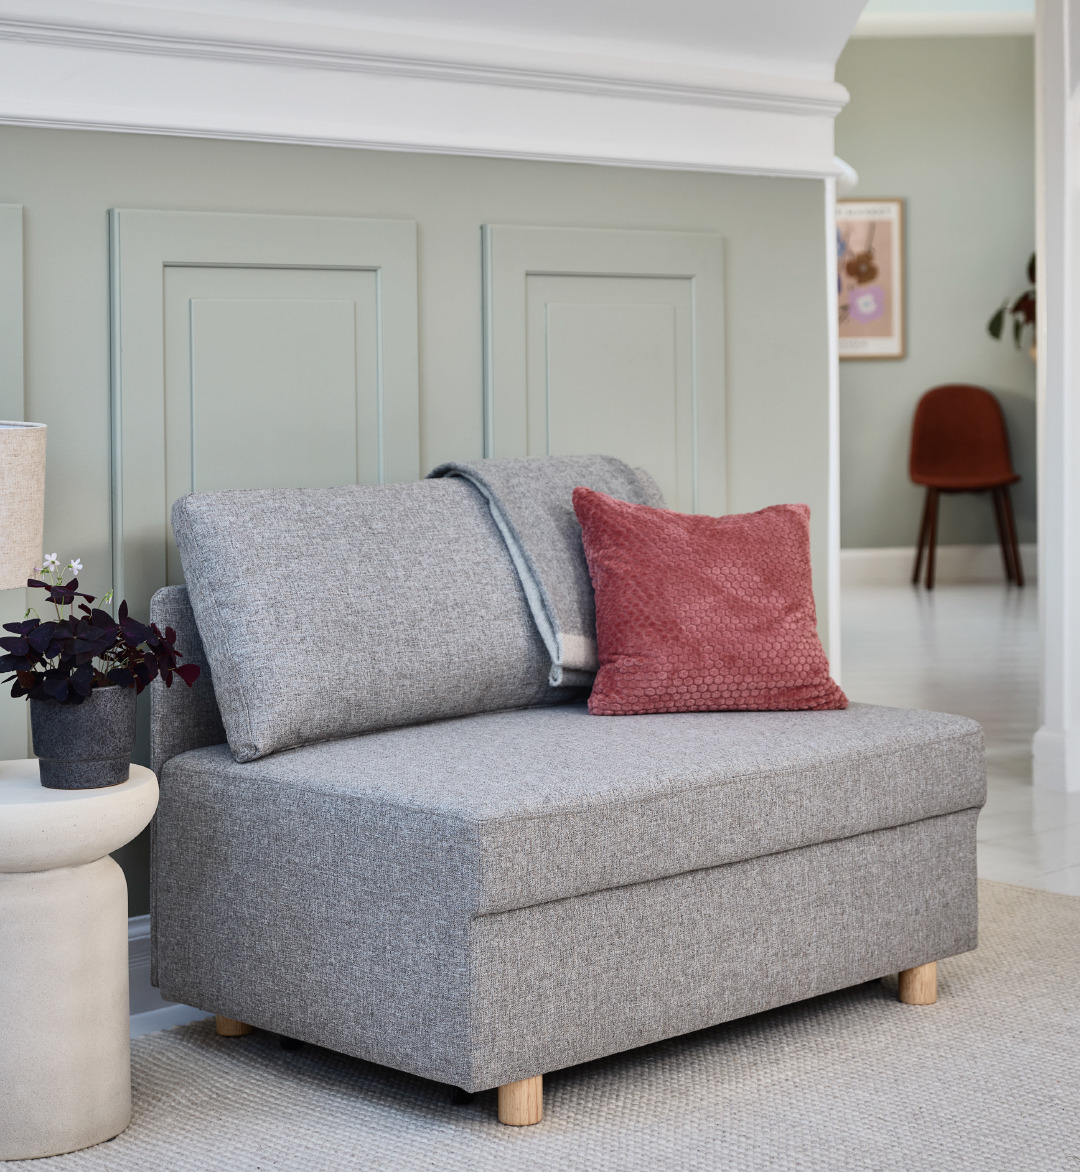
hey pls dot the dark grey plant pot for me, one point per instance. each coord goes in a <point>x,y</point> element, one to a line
<point>87,745</point>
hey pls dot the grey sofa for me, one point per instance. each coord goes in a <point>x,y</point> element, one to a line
<point>481,883</point>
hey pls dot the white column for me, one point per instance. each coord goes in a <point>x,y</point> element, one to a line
<point>831,298</point>
<point>1057,743</point>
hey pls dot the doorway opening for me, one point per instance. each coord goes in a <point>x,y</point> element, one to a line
<point>946,124</point>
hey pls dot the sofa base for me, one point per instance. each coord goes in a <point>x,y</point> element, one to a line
<point>634,965</point>
<point>601,973</point>
<point>521,1103</point>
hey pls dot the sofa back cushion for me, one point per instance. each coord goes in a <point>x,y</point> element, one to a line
<point>330,612</point>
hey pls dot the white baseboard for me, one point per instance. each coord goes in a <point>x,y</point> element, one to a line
<point>149,1013</point>
<point>955,565</point>
<point>1048,760</point>
<point>945,24</point>
<point>1054,759</point>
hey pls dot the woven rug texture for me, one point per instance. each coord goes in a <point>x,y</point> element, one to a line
<point>989,1078</point>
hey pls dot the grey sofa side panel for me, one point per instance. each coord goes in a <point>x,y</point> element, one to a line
<point>181,718</point>
<point>308,917</point>
<point>573,980</point>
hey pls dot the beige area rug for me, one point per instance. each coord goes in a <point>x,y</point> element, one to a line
<point>989,1078</point>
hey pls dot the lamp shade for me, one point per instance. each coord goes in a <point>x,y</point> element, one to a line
<point>22,501</point>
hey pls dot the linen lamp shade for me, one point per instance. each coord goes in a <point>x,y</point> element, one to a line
<point>22,501</point>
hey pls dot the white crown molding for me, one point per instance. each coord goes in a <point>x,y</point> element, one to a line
<point>945,24</point>
<point>347,87</point>
<point>717,87</point>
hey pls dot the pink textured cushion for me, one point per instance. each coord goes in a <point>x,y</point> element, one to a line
<point>702,614</point>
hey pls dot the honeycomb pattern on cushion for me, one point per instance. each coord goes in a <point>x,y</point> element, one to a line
<point>702,614</point>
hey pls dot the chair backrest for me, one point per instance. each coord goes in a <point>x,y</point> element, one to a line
<point>959,437</point>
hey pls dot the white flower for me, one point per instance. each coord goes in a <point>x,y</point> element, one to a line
<point>51,562</point>
<point>75,566</point>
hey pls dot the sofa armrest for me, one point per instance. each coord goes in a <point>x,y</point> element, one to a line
<point>181,718</point>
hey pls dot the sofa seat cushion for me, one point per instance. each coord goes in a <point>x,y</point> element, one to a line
<point>511,809</point>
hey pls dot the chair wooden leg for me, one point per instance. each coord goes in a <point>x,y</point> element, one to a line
<point>521,1103</point>
<point>918,986</point>
<point>923,526</point>
<point>999,521</point>
<point>931,553</point>
<point>1010,525</point>
<point>229,1027</point>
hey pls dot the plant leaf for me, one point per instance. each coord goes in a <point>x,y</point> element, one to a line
<point>82,679</point>
<point>122,677</point>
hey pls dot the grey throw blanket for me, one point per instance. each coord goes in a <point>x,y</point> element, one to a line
<point>531,500</point>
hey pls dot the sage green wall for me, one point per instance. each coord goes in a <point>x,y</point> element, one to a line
<point>777,364</point>
<point>948,124</point>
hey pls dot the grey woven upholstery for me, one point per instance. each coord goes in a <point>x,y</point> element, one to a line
<point>181,718</point>
<point>329,612</point>
<point>401,895</point>
<point>531,501</point>
<point>486,884</point>
<point>541,805</point>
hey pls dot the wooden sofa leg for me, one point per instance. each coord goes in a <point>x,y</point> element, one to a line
<point>918,986</point>
<point>229,1027</point>
<point>521,1103</point>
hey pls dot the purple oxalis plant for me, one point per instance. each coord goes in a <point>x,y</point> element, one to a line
<point>65,658</point>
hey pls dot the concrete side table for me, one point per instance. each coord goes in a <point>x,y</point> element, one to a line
<point>65,1061</point>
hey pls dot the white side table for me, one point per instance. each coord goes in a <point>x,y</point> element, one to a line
<point>65,1060</point>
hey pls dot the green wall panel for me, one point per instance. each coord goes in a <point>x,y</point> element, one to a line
<point>775,322</point>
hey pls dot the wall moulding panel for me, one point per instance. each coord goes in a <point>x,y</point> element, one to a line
<point>609,340</point>
<point>13,717</point>
<point>11,311</point>
<point>137,68</point>
<point>224,327</point>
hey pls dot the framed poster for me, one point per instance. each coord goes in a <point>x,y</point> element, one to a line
<point>870,277</point>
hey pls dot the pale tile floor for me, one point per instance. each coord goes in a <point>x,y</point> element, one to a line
<point>972,650</point>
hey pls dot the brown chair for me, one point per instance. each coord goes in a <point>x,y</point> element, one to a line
<point>959,444</point>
